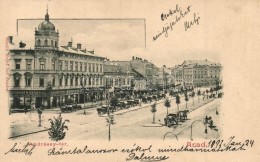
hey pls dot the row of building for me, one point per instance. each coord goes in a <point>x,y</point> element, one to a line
<point>51,75</point>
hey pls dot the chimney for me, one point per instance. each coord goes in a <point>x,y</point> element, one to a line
<point>133,57</point>
<point>70,44</point>
<point>78,46</point>
<point>10,39</point>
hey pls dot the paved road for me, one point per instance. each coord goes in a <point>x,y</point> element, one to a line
<point>130,125</point>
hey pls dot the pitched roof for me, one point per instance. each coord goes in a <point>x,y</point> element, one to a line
<point>200,62</point>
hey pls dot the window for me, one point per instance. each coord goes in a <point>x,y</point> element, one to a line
<point>85,67</point>
<point>28,79</point>
<point>53,64</point>
<point>76,81</point>
<point>39,42</point>
<point>56,44</point>
<point>89,67</point>
<point>93,67</point>
<point>100,68</point>
<point>60,65</point>
<point>17,63</point>
<point>53,81</point>
<point>66,65</point>
<point>61,78</point>
<point>80,67</point>
<point>52,43</point>
<point>41,82</point>
<point>96,67</point>
<point>28,82</point>
<point>71,80</point>
<point>66,81</point>
<point>28,64</point>
<point>89,81</point>
<point>76,66</point>
<point>85,81</point>
<point>42,65</point>
<point>71,65</point>
<point>97,81</point>
<point>17,78</point>
<point>46,42</point>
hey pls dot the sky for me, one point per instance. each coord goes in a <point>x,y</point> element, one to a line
<point>119,39</point>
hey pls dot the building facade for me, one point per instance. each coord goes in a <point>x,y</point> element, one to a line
<point>194,73</point>
<point>50,75</point>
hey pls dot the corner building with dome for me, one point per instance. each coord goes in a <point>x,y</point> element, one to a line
<point>50,75</point>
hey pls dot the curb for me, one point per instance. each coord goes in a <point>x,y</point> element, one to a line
<point>29,133</point>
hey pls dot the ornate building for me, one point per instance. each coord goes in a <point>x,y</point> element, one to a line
<point>51,75</point>
<point>194,73</point>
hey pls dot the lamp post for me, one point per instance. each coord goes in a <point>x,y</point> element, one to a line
<point>83,88</point>
<point>206,130</point>
<point>170,133</point>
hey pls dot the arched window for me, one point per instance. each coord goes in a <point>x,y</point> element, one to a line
<point>46,42</point>
<point>17,78</point>
<point>39,42</point>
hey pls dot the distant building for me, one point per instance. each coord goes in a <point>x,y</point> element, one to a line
<point>145,72</point>
<point>118,77</point>
<point>194,73</point>
<point>50,75</point>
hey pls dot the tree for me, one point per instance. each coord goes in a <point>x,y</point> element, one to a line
<point>153,110</point>
<point>211,91</point>
<point>114,102</point>
<point>186,99</point>
<point>207,92</point>
<point>167,104</point>
<point>171,93</point>
<point>198,94</point>
<point>178,101</point>
<point>58,126</point>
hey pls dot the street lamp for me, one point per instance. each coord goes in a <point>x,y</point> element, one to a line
<point>170,133</point>
<point>83,89</point>
<point>206,130</point>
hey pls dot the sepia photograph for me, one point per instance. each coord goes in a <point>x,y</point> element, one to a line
<point>130,81</point>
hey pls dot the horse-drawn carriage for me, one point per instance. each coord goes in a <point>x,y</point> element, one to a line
<point>144,99</point>
<point>70,108</point>
<point>154,97</point>
<point>149,99</point>
<point>136,102</point>
<point>121,104</point>
<point>183,115</point>
<point>163,95</point>
<point>174,119</point>
<point>171,120</point>
<point>130,103</point>
<point>104,109</point>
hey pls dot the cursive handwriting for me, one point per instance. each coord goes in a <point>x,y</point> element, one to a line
<point>214,146</point>
<point>180,14</point>
<point>171,12</point>
<point>26,149</point>
<point>143,157</point>
<point>189,24</point>
<point>76,150</point>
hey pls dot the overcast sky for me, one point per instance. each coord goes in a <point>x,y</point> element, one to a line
<point>122,39</point>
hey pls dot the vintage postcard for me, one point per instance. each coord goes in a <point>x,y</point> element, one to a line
<point>131,80</point>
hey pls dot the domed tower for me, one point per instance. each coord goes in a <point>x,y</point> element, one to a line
<point>46,37</point>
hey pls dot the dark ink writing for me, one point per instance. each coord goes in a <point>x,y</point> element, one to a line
<point>26,149</point>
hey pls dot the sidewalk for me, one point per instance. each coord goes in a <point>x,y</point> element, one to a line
<point>23,124</point>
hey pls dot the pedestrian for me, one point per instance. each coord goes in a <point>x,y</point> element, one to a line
<point>39,111</point>
<point>25,109</point>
